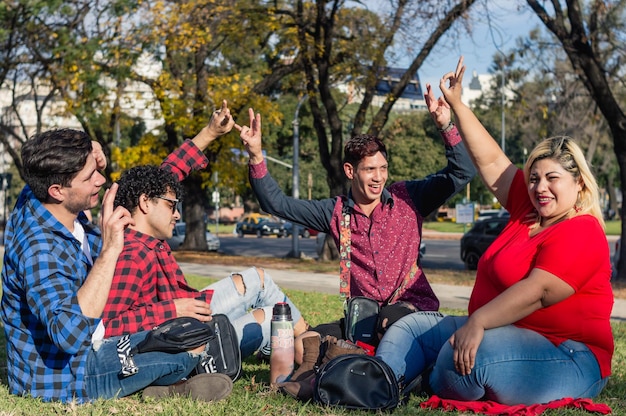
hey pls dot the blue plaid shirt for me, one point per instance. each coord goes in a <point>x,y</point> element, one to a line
<point>48,337</point>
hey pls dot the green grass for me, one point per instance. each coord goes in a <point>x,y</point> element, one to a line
<point>612,227</point>
<point>221,228</point>
<point>252,394</point>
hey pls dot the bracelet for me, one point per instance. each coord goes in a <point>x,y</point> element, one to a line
<point>447,128</point>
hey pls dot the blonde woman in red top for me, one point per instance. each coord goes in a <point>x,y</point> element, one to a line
<point>539,315</point>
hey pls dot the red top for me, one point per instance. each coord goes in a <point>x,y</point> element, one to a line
<point>575,250</point>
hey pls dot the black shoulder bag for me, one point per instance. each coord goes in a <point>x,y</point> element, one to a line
<point>175,335</point>
<point>355,381</point>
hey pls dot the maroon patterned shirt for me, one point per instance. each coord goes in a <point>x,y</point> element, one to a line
<point>384,245</point>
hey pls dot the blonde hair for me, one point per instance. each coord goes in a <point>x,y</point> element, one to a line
<point>569,155</point>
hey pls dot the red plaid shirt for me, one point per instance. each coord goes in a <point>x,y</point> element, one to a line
<point>147,278</point>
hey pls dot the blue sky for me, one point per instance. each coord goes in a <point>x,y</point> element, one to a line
<point>509,20</point>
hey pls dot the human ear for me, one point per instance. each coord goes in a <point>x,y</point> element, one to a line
<point>56,192</point>
<point>144,203</point>
<point>348,170</point>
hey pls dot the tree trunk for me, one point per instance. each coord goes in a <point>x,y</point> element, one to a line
<point>194,214</point>
<point>573,33</point>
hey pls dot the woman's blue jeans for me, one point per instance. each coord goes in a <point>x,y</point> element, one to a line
<point>513,365</point>
<point>238,307</point>
<point>102,372</point>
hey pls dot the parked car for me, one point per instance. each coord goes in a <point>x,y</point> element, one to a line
<point>304,232</point>
<point>476,241</point>
<point>178,236</point>
<point>261,225</point>
<point>492,213</point>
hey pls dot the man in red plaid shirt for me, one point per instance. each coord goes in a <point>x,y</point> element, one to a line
<point>149,287</point>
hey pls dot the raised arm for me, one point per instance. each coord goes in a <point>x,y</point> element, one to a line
<point>189,156</point>
<point>494,167</point>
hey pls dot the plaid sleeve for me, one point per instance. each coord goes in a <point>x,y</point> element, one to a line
<point>51,296</point>
<point>184,160</point>
<point>133,303</point>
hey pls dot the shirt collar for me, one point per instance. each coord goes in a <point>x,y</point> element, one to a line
<point>385,198</point>
<point>134,236</point>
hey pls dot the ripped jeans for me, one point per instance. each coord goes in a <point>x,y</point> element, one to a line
<point>238,307</point>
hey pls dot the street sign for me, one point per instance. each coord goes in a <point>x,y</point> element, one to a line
<point>464,213</point>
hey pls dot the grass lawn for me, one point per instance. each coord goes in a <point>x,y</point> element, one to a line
<point>252,394</point>
<point>612,227</point>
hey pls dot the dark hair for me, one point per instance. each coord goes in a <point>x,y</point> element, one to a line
<point>54,157</point>
<point>148,180</point>
<point>361,146</point>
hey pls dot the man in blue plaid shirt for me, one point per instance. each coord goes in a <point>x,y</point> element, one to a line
<point>56,278</point>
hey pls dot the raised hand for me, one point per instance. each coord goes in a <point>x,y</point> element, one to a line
<point>251,137</point>
<point>113,222</point>
<point>452,92</point>
<point>439,109</point>
<point>221,123</point>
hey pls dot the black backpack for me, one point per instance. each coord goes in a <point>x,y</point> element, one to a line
<point>356,381</point>
<point>224,355</point>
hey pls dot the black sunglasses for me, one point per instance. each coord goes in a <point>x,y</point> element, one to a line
<point>173,201</point>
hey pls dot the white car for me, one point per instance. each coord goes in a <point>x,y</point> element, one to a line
<point>178,236</point>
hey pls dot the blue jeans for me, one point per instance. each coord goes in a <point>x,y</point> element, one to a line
<point>513,365</point>
<point>238,307</point>
<point>102,372</point>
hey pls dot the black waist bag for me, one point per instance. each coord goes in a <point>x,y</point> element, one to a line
<point>361,314</point>
<point>356,381</point>
<point>223,353</point>
<point>175,335</point>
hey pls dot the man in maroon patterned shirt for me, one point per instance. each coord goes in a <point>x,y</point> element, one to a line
<point>149,287</point>
<point>384,222</point>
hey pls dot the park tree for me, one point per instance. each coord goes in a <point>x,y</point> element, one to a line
<point>338,43</point>
<point>591,35</point>
<point>206,51</point>
<point>54,57</point>
<point>544,98</point>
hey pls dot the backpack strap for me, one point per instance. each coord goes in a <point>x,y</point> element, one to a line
<point>344,251</point>
<point>129,367</point>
